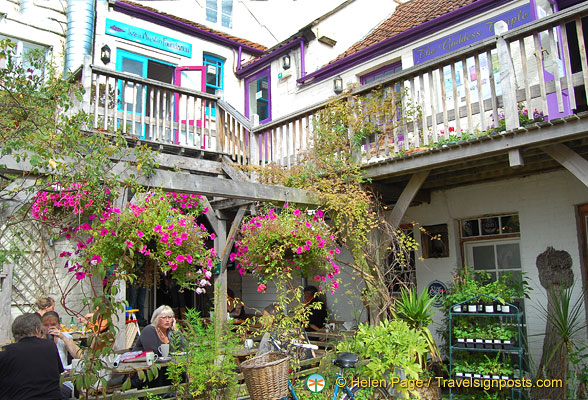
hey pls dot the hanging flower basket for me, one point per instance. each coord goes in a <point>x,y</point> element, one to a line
<point>292,243</point>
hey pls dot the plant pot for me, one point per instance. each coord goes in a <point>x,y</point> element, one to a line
<point>507,344</point>
<point>479,344</point>
<point>460,343</point>
<point>472,308</point>
<point>495,377</point>
<point>488,344</point>
<point>477,376</point>
<point>489,308</point>
<point>458,309</point>
<point>486,377</point>
<point>470,343</point>
<point>459,374</point>
<point>497,344</point>
<point>467,375</point>
<point>506,309</point>
<point>504,377</point>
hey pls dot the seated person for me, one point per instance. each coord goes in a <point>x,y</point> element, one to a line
<point>162,330</point>
<point>235,308</point>
<point>45,304</point>
<point>65,345</point>
<point>30,368</point>
<point>318,314</point>
<point>266,345</point>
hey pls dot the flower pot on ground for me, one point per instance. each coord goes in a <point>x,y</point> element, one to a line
<point>458,308</point>
<point>488,344</point>
<point>460,343</point>
<point>470,343</point>
<point>508,344</point>
<point>479,343</point>
<point>497,344</point>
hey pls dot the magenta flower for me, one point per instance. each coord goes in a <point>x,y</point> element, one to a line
<point>309,242</point>
<point>170,227</point>
<point>296,212</point>
<point>80,275</point>
<point>129,243</point>
<point>167,252</point>
<point>184,236</point>
<point>65,254</point>
<point>308,225</point>
<point>189,259</point>
<point>81,245</point>
<point>96,260</point>
<point>319,213</point>
<point>178,241</point>
<point>299,250</point>
<point>104,232</point>
<point>205,210</point>
<point>317,278</point>
<point>212,236</point>
<point>157,228</point>
<point>180,258</point>
<point>261,287</point>
<point>306,248</point>
<point>232,257</point>
<point>242,271</point>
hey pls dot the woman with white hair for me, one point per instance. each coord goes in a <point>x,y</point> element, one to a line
<point>161,331</point>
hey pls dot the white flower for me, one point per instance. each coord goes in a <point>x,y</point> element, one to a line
<point>208,274</point>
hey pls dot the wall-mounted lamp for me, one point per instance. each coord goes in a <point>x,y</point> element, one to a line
<point>286,62</point>
<point>338,85</point>
<point>105,54</point>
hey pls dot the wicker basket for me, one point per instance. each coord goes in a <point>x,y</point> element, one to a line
<point>266,376</point>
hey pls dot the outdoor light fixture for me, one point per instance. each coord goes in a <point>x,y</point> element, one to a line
<point>105,54</point>
<point>338,84</point>
<point>286,62</point>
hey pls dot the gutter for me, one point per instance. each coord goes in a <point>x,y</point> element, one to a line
<point>172,23</point>
<point>268,58</point>
<point>401,39</point>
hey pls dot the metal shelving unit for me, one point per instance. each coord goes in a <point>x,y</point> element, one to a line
<point>515,312</point>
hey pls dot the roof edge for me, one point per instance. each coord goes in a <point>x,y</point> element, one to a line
<point>267,58</point>
<point>170,22</point>
<point>399,40</point>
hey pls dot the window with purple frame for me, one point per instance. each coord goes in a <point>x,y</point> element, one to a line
<point>258,96</point>
<point>381,73</point>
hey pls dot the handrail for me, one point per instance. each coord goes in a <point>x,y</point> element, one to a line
<point>151,82</point>
<point>236,114</point>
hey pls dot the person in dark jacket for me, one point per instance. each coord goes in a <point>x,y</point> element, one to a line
<point>29,368</point>
<point>318,314</point>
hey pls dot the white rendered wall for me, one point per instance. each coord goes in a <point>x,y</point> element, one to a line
<point>45,25</point>
<point>545,204</point>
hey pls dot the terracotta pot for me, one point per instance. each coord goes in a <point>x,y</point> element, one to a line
<point>428,393</point>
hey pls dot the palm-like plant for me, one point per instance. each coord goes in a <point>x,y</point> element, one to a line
<point>417,311</point>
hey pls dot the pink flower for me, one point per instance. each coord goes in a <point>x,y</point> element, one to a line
<point>306,248</point>
<point>232,257</point>
<point>319,213</point>
<point>129,243</point>
<point>299,250</point>
<point>241,271</point>
<point>167,252</point>
<point>212,236</point>
<point>296,212</point>
<point>182,222</point>
<point>157,228</point>
<point>81,245</point>
<point>116,210</point>
<point>80,275</point>
<point>65,254</point>
<point>68,236</point>
<point>189,258</point>
<point>261,287</point>
<point>309,242</point>
<point>335,285</point>
<point>184,236</point>
<point>317,278</point>
<point>90,240</point>
<point>178,241</point>
<point>180,258</point>
<point>96,260</point>
<point>205,210</point>
<point>170,227</point>
<point>104,232</point>
<point>140,233</point>
<point>337,251</point>
<point>308,225</point>
<point>174,266</point>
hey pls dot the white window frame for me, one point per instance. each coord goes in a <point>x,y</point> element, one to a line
<point>219,14</point>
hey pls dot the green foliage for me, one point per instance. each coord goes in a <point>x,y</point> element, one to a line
<point>208,363</point>
<point>390,347</point>
<point>417,311</point>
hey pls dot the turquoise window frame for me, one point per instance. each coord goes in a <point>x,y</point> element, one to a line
<point>218,63</point>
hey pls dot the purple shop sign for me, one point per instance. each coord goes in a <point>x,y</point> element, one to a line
<point>465,37</point>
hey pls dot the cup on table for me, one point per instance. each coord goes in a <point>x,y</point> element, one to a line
<point>248,343</point>
<point>150,358</point>
<point>164,350</point>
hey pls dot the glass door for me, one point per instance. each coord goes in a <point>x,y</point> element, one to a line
<point>188,113</point>
<point>137,65</point>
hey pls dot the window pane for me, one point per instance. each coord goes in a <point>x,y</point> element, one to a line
<point>510,224</point>
<point>483,257</point>
<point>258,98</point>
<point>211,10</point>
<point>508,256</point>
<point>227,21</point>
<point>490,226</point>
<point>227,13</point>
<point>470,228</point>
<point>211,75</point>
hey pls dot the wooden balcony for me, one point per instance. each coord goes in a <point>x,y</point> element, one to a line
<point>470,106</point>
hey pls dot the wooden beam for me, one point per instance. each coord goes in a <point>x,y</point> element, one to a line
<point>191,183</point>
<point>223,204</point>
<point>570,160</point>
<point>172,161</point>
<point>406,197</point>
<point>231,236</point>
<point>232,172</point>
<point>211,215</point>
<point>515,158</point>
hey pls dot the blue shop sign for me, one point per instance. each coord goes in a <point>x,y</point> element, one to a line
<point>148,38</point>
<point>465,37</point>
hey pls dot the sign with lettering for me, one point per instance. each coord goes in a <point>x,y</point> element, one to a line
<point>467,36</point>
<point>139,35</point>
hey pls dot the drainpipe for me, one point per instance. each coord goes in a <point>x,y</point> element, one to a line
<point>80,33</point>
<point>239,61</point>
<point>302,65</point>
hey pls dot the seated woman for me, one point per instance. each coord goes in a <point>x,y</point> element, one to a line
<point>162,330</point>
<point>44,304</point>
<point>65,345</point>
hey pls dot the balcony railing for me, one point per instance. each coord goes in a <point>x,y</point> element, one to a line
<point>473,92</point>
<point>162,113</point>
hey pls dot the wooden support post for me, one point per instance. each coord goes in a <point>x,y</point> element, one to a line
<point>507,78</point>
<point>570,160</point>
<point>515,158</point>
<point>211,215</point>
<point>411,189</point>
<point>87,84</point>
<point>6,303</point>
<point>220,284</point>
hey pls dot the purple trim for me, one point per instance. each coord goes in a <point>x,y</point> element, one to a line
<point>267,58</point>
<point>179,26</point>
<point>239,62</point>
<point>248,80</point>
<point>385,68</point>
<point>403,38</point>
<point>302,63</point>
